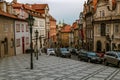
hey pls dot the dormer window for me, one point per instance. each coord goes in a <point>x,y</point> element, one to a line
<point>102,13</point>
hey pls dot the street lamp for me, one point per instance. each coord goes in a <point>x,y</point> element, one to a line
<point>36,35</point>
<point>30,20</point>
<point>110,39</point>
<point>80,28</point>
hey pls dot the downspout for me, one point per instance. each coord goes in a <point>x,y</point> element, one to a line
<point>14,37</point>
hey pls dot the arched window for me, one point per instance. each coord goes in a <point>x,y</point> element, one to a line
<point>103,29</point>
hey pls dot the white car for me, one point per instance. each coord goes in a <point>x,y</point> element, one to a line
<point>50,51</point>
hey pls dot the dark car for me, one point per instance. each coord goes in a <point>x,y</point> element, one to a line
<point>112,57</point>
<point>74,51</point>
<point>64,52</point>
<point>89,56</point>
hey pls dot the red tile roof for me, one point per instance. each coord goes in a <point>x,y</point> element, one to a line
<point>52,19</point>
<point>95,4</point>
<point>27,7</point>
<point>75,25</point>
<point>39,6</point>
<point>66,29</point>
<point>17,5</point>
<point>7,15</point>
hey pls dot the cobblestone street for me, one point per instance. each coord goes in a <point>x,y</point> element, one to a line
<point>54,68</point>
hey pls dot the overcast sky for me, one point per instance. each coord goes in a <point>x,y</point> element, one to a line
<point>67,10</point>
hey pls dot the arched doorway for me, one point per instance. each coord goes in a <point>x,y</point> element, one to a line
<point>107,47</point>
<point>99,46</point>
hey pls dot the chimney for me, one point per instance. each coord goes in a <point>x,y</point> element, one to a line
<point>14,1</point>
<point>3,6</point>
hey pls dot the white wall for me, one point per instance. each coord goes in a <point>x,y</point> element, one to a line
<point>19,35</point>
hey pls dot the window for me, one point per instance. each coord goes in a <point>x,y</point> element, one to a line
<point>5,27</point>
<point>41,23</point>
<point>116,28</point>
<point>11,27</point>
<point>107,28</point>
<point>113,55</point>
<point>17,42</point>
<point>17,27</point>
<point>27,40</point>
<point>98,30</point>
<point>22,27</point>
<point>103,29</point>
<point>102,13</point>
<point>27,28</point>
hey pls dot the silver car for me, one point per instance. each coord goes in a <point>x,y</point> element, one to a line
<point>112,57</point>
<point>50,51</point>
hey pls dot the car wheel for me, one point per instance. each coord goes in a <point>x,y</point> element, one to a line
<point>106,63</point>
<point>70,56</point>
<point>79,58</point>
<point>118,65</point>
<point>89,60</point>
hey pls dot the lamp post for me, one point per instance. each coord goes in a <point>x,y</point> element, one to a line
<point>40,41</point>
<point>80,29</point>
<point>110,39</point>
<point>36,35</point>
<point>30,20</point>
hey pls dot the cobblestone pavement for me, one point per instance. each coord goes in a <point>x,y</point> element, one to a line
<point>54,68</point>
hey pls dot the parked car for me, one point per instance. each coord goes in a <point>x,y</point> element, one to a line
<point>101,55</point>
<point>50,51</point>
<point>112,57</point>
<point>89,56</point>
<point>64,52</point>
<point>74,51</point>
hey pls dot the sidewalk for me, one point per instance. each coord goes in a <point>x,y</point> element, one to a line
<point>51,68</point>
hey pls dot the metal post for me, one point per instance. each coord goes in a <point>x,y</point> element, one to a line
<point>36,33</point>
<point>31,46</point>
<point>30,20</point>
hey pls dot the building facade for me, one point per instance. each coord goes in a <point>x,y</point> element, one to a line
<point>88,13</point>
<point>44,10</point>
<point>53,32</point>
<point>7,47</point>
<point>65,35</point>
<point>21,30</point>
<point>107,25</point>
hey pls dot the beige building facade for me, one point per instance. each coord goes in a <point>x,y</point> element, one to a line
<point>6,36</point>
<point>107,25</point>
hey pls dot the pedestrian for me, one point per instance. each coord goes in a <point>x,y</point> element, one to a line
<point>40,52</point>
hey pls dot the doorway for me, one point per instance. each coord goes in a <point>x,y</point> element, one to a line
<point>23,45</point>
<point>99,46</point>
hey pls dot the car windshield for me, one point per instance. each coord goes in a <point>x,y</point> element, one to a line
<point>63,49</point>
<point>50,50</point>
<point>119,54</point>
<point>92,54</point>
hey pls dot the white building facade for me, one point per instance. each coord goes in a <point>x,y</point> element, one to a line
<point>39,25</point>
<point>22,36</point>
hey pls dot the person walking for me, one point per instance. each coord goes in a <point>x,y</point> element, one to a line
<point>40,52</point>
